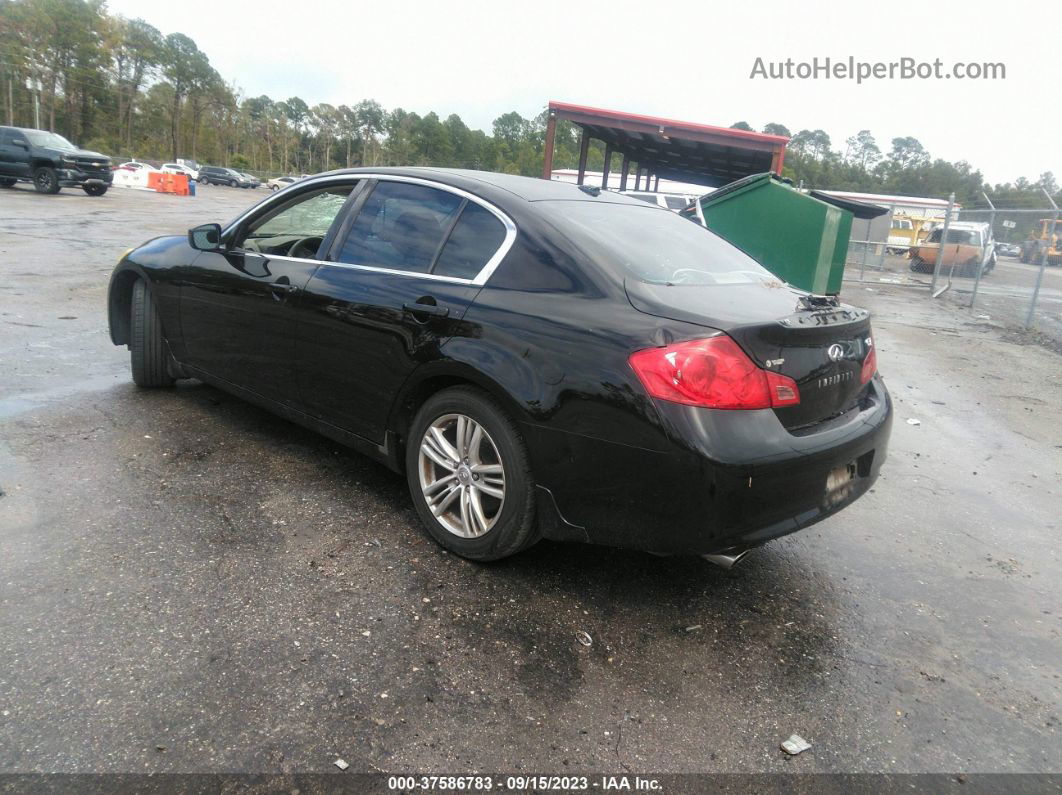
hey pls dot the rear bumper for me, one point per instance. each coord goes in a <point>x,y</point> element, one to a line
<point>729,479</point>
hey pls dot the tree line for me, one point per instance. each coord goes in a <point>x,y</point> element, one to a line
<point>125,88</point>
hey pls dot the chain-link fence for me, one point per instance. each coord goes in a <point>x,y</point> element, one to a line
<point>1002,263</point>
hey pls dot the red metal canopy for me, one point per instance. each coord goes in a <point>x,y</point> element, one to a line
<point>668,148</point>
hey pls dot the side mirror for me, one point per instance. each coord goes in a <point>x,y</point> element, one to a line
<point>205,238</point>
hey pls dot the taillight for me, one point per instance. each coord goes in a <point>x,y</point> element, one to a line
<point>870,364</point>
<point>714,373</point>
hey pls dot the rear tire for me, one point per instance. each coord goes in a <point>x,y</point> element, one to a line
<point>510,522</point>
<point>149,356</point>
<point>7,182</point>
<point>94,190</point>
<point>45,180</point>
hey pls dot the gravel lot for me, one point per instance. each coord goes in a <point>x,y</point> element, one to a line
<point>188,583</point>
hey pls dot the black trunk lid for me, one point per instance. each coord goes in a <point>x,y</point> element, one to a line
<point>817,341</point>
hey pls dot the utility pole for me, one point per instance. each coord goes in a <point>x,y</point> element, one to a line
<point>940,247</point>
<point>981,267</point>
<point>1043,263</point>
<point>34,85</point>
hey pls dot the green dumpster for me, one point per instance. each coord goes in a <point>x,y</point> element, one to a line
<point>802,240</point>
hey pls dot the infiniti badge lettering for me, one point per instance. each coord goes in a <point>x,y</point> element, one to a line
<point>833,380</point>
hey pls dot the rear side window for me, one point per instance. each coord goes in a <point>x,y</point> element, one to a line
<point>401,227</point>
<point>477,235</point>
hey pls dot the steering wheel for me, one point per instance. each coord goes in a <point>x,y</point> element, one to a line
<point>305,247</point>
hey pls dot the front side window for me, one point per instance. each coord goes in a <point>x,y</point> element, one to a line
<point>297,227</point>
<point>401,227</point>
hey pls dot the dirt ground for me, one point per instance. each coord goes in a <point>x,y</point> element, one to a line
<point>188,583</point>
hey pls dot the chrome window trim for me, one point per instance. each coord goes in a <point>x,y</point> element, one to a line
<point>480,278</point>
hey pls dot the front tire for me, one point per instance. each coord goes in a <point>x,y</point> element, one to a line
<point>149,355</point>
<point>7,182</point>
<point>45,180</point>
<point>94,190</point>
<point>469,476</point>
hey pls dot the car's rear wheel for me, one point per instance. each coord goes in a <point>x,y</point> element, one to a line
<point>274,188</point>
<point>45,180</point>
<point>149,355</point>
<point>94,190</point>
<point>203,181</point>
<point>469,476</point>
<point>7,182</point>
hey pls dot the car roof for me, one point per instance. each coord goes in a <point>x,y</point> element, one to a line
<point>530,189</point>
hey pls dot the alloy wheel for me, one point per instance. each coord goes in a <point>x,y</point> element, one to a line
<point>462,476</point>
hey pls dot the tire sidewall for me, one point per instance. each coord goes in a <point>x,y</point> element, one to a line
<point>508,533</point>
<point>53,179</point>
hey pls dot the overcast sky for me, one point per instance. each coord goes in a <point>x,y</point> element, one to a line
<point>684,60</point>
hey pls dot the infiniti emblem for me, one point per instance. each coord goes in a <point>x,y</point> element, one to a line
<point>835,352</point>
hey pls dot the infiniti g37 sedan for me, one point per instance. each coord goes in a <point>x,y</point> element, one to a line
<point>538,359</point>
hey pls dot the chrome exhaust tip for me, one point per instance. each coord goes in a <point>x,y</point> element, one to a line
<point>728,558</point>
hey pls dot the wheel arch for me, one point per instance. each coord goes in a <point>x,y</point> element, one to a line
<point>120,300</point>
<point>432,378</point>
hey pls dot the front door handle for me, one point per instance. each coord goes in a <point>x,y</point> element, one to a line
<point>426,309</point>
<point>282,287</point>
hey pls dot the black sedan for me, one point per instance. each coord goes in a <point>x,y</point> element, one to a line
<point>538,359</point>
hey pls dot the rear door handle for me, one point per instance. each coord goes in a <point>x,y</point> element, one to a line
<point>426,309</point>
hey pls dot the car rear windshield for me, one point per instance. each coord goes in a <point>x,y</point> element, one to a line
<point>654,245</point>
<point>961,236</point>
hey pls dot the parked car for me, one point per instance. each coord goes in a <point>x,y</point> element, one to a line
<point>278,183</point>
<point>178,168</point>
<point>215,175</point>
<point>134,165</point>
<point>1008,249</point>
<point>968,248</point>
<point>539,360</point>
<point>251,180</point>
<point>51,162</point>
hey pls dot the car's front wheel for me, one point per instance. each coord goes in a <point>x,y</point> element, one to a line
<point>45,180</point>
<point>7,182</point>
<point>149,355</point>
<point>94,190</point>
<point>469,476</point>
